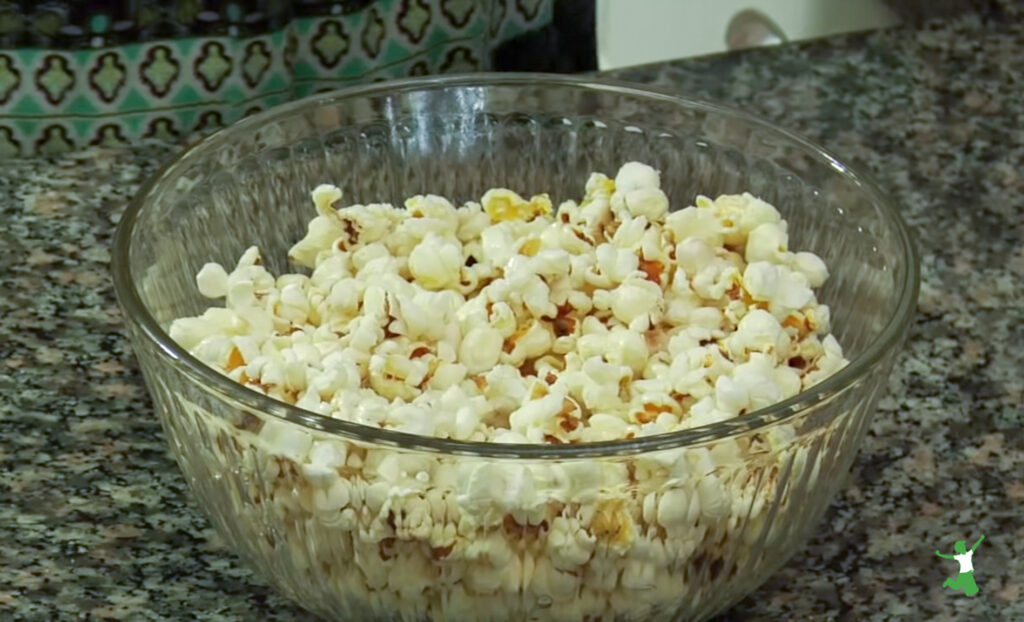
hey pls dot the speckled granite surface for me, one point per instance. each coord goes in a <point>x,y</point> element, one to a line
<point>95,520</point>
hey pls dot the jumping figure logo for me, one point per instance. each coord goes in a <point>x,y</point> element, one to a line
<point>965,580</point>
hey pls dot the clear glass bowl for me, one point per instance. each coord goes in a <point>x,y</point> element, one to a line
<point>670,527</point>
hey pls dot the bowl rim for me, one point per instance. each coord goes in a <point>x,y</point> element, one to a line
<point>889,338</point>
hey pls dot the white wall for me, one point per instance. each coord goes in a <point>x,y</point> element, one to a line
<point>633,32</point>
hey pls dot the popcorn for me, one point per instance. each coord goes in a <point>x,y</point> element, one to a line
<point>759,380</point>
<point>673,509</point>
<point>715,279</point>
<point>777,285</point>
<point>536,296</point>
<point>321,235</point>
<point>758,331</point>
<point>730,396</point>
<point>629,233</point>
<point>617,264</point>
<point>212,281</point>
<point>635,298</point>
<point>436,208</point>
<point>636,176</point>
<point>190,332</point>
<point>534,342</point>
<point>693,223</point>
<point>650,203</point>
<point>324,197</point>
<point>754,212</point>
<point>480,349</point>
<point>435,263</point>
<point>831,362</point>
<point>285,439</point>
<point>501,205</point>
<point>767,242</point>
<point>497,245</point>
<point>505,323</point>
<point>628,348</point>
<point>693,254</point>
<point>812,267</point>
<point>535,414</point>
<point>371,259</point>
<point>552,263</point>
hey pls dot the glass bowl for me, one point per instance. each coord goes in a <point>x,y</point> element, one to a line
<point>669,527</point>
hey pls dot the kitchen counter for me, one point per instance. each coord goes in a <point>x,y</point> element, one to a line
<point>95,519</point>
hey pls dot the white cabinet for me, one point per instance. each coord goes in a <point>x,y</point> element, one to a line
<point>633,32</point>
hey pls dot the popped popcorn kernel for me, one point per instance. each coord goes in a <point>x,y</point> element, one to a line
<point>613,525</point>
<point>636,176</point>
<point>435,262</point>
<point>324,197</point>
<point>502,204</point>
<point>212,281</point>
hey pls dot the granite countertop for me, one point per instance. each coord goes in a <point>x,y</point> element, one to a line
<point>95,519</point>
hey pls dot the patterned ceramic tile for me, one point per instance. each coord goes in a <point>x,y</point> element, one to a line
<point>166,70</point>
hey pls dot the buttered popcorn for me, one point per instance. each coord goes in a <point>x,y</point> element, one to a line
<point>510,320</point>
<point>585,322</point>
